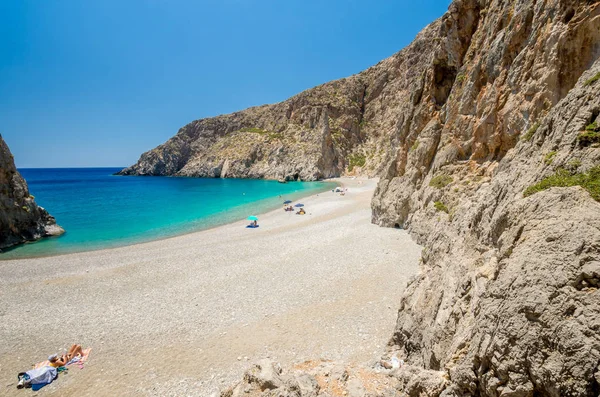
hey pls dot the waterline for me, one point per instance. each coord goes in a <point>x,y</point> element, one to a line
<point>100,211</point>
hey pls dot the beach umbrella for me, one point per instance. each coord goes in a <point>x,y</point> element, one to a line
<point>299,205</point>
<point>287,201</point>
<point>252,218</point>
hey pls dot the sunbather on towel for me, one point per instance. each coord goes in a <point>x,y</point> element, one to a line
<point>56,361</point>
<point>74,351</point>
<point>47,373</point>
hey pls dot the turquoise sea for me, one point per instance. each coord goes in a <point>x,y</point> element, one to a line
<point>99,210</point>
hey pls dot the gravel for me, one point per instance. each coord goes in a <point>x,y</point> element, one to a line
<point>187,315</point>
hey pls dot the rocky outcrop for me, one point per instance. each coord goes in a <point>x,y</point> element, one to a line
<point>327,378</point>
<point>307,137</point>
<point>491,138</point>
<point>507,300</point>
<point>345,126</point>
<point>21,219</point>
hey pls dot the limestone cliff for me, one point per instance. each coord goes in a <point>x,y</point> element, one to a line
<point>21,219</point>
<point>307,137</point>
<point>341,127</point>
<point>490,121</point>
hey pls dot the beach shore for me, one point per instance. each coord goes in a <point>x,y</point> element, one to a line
<point>187,315</point>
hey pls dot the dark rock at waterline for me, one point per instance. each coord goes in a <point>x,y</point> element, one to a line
<point>21,219</point>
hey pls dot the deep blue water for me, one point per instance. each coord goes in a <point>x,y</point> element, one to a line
<point>99,210</point>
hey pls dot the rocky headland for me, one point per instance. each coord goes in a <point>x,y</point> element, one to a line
<point>485,134</point>
<point>21,219</point>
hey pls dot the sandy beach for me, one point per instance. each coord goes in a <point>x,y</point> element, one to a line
<point>187,315</point>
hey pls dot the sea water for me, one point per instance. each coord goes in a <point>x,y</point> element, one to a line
<point>99,210</point>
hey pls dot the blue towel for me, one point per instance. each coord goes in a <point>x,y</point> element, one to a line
<point>38,386</point>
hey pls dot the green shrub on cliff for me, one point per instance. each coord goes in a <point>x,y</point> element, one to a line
<point>549,157</point>
<point>269,134</point>
<point>574,164</point>
<point>593,79</point>
<point>441,181</point>
<point>254,130</point>
<point>356,160</point>
<point>590,181</point>
<point>590,136</point>
<point>441,207</point>
<point>529,134</point>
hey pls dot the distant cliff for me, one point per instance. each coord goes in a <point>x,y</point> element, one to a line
<point>341,127</point>
<point>314,135</point>
<point>21,219</point>
<point>489,123</point>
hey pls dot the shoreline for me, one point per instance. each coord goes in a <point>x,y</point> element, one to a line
<point>188,315</point>
<point>337,181</point>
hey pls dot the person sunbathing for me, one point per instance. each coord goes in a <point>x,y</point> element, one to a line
<point>56,361</point>
<point>61,361</point>
<point>47,373</point>
<point>74,351</point>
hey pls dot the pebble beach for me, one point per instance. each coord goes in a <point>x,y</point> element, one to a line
<point>185,316</point>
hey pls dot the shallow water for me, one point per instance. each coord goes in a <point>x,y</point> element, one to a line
<point>99,210</point>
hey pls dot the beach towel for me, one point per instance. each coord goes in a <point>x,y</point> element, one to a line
<point>40,377</point>
<point>84,357</point>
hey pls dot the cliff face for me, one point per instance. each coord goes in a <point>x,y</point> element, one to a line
<point>307,137</point>
<point>21,219</point>
<point>490,126</point>
<point>507,300</point>
<point>344,126</point>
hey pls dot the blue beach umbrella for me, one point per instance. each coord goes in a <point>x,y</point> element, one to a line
<point>299,205</point>
<point>287,201</point>
<point>252,218</point>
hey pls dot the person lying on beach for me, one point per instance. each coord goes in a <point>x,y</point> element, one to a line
<point>47,373</point>
<point>74,351</point>
<point>56,361</point>
<point>301,212</point>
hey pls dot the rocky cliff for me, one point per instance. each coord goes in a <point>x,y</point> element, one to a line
<point>310,136</point>
<point>490,126</point>
<point>21,219</point>
<point>342,127</point>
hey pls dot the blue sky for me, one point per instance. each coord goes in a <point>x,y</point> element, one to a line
<point>96,83</point>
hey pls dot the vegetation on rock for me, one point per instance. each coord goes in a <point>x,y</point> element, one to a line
<point>590,136</point>
<point>549,157</point>
<point>441,181</point>
<point>441,207</point>
<point>590,181</point>
<point>593,79</point>
<point>529,134</point>
<point>356,160</point>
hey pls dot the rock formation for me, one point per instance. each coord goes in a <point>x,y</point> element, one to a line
<point>485,132</point>
<point>21,219</point>
<point>507,301</point>
<point>309,137</point>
